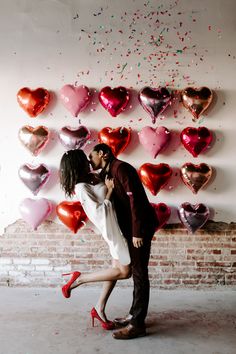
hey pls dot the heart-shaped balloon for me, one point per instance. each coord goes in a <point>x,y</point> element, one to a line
<point>34,212</point>
<point>114,100</point>
<point>192,216</point>
<point>195,177</point>
<point>34,139</point>
<point>72,215</point>
<point>75,98</point>
<point>33,102</point>
<point>74,138</point>
<point>155,177</point>
<point>117,138</point>
<point>34,177</point>
<point>154,139</point>
<point>196,100</point>
<point>154,100</point>
<point>196,140</point>
<point>163,213</point>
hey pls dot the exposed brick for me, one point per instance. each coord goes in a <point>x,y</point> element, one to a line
<point>178,259</point>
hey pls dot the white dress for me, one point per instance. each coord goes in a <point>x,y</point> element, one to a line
<point>101,213</point>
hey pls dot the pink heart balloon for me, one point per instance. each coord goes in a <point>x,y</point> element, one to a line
<point>193,216</point>
<point>154,140</point>
<point>75,98</point>
<point>34,212</point>
<point>34,177</point>
<point>154,100</point>
<point>34,139</point>
<point>74,138</point>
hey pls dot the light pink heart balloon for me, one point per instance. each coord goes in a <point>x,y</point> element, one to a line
<point>75,98</point>
<point>154,140</point>
<point>34,212</point>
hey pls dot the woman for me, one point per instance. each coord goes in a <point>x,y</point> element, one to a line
<point>77,180</point>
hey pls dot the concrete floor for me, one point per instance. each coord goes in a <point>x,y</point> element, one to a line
<point>41,321</point>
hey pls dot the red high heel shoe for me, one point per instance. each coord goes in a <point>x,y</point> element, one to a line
<point>105,325</point>
<point>66,288</point>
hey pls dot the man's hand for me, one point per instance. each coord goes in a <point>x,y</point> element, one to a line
<point>137,242</point>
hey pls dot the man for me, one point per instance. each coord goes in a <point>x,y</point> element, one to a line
<point>137,221</point>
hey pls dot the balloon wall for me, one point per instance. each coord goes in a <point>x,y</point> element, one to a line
<point>154,80</point>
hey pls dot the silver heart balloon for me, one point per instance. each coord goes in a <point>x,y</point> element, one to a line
<point>74,138</point>
<point>193,216</point>
<point>34,177</point>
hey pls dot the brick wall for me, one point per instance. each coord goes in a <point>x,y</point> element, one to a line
<point>178,259</point>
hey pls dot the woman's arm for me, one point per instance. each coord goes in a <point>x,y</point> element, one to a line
<point>109,182</point>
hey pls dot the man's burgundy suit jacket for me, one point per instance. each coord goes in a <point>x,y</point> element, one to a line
<point>136,216</point>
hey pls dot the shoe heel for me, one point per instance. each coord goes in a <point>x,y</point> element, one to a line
<point>92,321</point>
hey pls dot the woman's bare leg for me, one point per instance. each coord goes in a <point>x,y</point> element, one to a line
<point>118,271</point>
<point>107,288</point>
<point>109,277</point>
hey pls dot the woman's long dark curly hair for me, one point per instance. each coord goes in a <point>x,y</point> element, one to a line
<point>74,168</point>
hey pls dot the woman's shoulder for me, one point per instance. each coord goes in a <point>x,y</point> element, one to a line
<point>79,187</point>
<point>87,186</point>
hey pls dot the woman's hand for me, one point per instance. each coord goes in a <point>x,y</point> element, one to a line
<point>109,182</point>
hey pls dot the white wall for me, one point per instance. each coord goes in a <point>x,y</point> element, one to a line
<point>42,45</point>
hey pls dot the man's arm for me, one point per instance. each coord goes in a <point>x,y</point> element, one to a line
<point>130,181</point>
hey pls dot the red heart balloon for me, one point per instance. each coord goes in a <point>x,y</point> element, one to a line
<point>33,101</point>
<point>155,177</point>
<point>117,139</point>
<point>114,100</point>
<point>196,140</point>
<point>72,215</point>
<point>162,212</point>
<point>196,100</point>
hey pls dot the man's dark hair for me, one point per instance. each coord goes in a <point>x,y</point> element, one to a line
<point>108,157</point>
<point>107,151</point>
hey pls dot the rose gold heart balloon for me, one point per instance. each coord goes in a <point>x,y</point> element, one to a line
<point>155,177</point>
<point>195,177</point>
<point>34,139</point>
<point>33,101</point>
<point>196,100</point>
<point>117,139</point>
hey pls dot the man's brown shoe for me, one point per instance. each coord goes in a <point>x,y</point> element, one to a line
<point>129,332</point>
<point>122,321</point>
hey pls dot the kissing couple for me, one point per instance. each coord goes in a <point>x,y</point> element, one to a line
<point>116,203</point>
